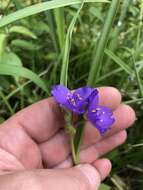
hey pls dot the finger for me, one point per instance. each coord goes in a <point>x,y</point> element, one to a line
<point>102,147</point>
<point>103,166</point>
<point>110,97</point>
<point>124,116</point>
<point>82,177</point>
<point>43,119</point>
<point>92,153</point>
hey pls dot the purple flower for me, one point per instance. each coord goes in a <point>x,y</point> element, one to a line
<point>77,101</point>
<point>85,99</point>
<point>101,117</point>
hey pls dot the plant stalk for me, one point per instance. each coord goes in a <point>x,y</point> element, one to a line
<point>75,157</point>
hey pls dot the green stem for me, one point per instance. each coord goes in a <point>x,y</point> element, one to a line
<point>78,140</point>
<point>6,102</point>
<point>75,136</point>
<point>75,156</point>
<point>99,51</point>
<point>69,129</point>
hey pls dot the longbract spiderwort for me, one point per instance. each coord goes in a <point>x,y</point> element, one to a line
<point>85,100</point>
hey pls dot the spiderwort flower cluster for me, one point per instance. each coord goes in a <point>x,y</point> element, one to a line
<point>85,100</point>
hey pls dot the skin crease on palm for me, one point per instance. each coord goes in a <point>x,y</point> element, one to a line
<point>33,143</point>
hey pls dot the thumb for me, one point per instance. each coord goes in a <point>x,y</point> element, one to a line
<point>81,177</point>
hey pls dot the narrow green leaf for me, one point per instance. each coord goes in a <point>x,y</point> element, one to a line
<point>51,24</point>
<point>139,100</point>
<point>21,86</point>
<point>6,69</point>
<point>139,65</point>
<point>6,102</point>
<point>97,13</point>
<point>10,58</point>
<point>40,7</point>
<point>114,43</point>
<point>121,63</point>
<point>96,64</point>
<point>23,44</point>
<point>59,18</point>
<point>3,39</point>
<point>109,74</point>
<point>22,30</point>
<point>67,46</point>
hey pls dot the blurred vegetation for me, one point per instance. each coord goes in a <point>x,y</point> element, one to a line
<point>31,52</point>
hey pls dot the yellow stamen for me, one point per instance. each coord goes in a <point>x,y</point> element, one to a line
<point>79,97</point>
<point>73,101</point>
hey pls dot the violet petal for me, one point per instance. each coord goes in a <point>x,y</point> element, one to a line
<point>101,117</point>
<point>61,94</point>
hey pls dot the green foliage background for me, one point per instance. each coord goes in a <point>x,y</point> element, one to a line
<point>32,51</point>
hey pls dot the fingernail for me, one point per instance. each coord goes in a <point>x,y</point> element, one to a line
<point>91,174</point>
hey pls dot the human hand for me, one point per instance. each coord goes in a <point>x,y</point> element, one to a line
<point>35,151</point>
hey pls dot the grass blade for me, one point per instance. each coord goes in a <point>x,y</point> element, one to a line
<point>40,7</point>
<point>138,100</point>
<point>97,59</point>
<point>6,102</point>
<point>51,22</point>
<point>120,25</point>
<point>22,30</point>
<point>59,18</point>
<point>121,63</point>
<point>109,74</point>
<point>64,70</point>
